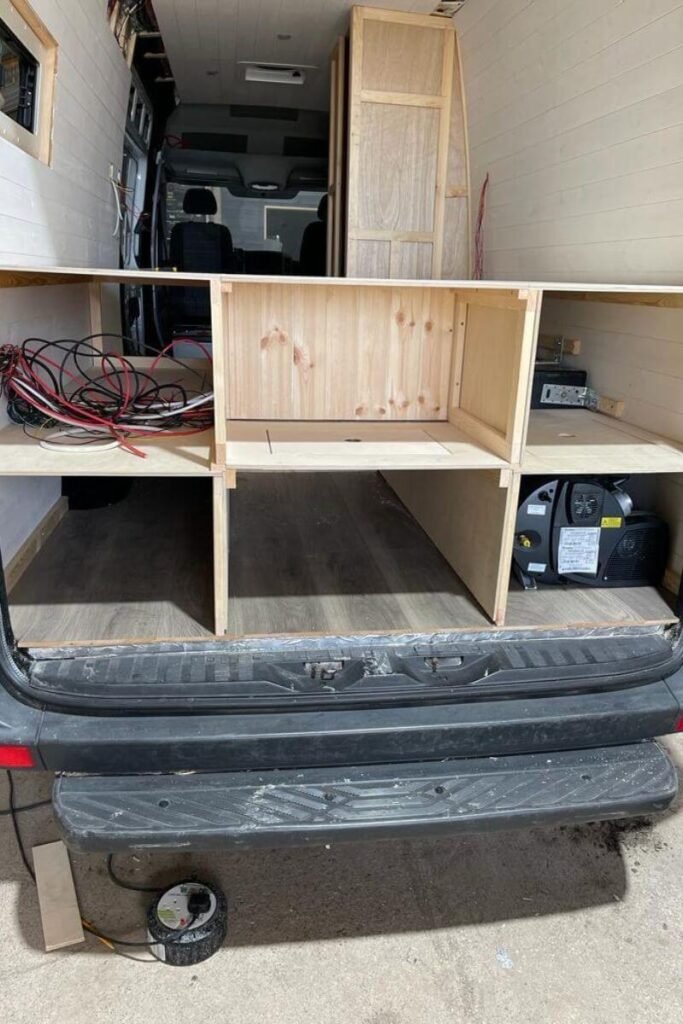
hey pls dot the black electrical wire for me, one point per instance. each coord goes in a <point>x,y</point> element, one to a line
<point>13,811</point>
<point>65,381</point>
<point>123,884</point>
<point>15,825</point>
<point>24,807</point>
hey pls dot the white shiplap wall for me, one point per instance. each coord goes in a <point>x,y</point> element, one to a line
<point>634,353</point>
<point>575,109</point>
<point>63,214</point>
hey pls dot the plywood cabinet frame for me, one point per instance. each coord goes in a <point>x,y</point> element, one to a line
<point>492,425</point>
<point>422,246</point>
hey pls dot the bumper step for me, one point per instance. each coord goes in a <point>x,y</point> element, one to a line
<point>206,811</point>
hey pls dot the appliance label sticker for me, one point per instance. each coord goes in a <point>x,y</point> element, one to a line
<point>611,522</point>
<point>578,549</point>
<point>537,567</point>
<point>535,510</point>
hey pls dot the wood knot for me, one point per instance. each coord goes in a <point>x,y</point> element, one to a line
<point>381,410</point>
<point>275,335</point>
<point>429,325</point>
<point>421,399</point>
<point>400,318</point>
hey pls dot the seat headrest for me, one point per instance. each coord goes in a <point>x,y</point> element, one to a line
<point>200,201</point>
<point>322,209</point>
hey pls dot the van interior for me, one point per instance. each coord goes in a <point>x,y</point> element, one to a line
<point>362,415</point>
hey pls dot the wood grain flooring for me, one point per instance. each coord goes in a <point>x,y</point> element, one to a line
<point>139,568</point>
<point>338,553</point>
<point>310,553</point>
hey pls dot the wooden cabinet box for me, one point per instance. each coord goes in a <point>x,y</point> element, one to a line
<point>364,468</point>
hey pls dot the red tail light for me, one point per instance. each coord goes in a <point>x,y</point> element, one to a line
<point>679,725</point>
<point>16,757</point>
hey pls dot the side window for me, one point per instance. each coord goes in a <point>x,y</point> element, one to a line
<point>28,58</point>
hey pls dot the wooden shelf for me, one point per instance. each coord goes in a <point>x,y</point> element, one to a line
<point>21,455</point>
<point>270,446</point>
<point>578,441</point>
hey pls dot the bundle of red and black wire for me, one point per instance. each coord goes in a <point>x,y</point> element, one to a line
<point>95,395</point>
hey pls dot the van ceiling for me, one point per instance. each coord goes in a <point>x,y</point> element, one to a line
<point>205,40</point>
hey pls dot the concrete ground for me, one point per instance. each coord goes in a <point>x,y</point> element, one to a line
<point>552,926</point>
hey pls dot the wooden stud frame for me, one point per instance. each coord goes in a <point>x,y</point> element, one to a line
<point>468,454</point>
<point>397,224</point>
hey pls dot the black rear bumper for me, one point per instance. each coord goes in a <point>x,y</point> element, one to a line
<point>241,809</point>
<point>563,735</point>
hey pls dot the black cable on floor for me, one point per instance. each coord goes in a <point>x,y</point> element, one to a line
<point>15,825</point>
<point>123,884</point>
<point>13,810</point>
<point>7,812</point>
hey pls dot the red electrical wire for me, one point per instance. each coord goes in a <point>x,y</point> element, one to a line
<point>116,398</point>
<point>478,271</point>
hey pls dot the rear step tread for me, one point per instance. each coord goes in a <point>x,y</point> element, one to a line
<point>213,810</point>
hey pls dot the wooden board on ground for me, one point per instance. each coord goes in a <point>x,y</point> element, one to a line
<point>59,911</point>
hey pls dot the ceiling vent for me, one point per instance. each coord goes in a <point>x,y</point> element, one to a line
<point>274,74</point>
<point>447,8</point>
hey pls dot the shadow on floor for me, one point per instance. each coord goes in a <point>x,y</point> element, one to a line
<point>347,890</point>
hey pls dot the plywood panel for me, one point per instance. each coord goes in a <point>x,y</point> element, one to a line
<point>490,368</point>
<point>579,441</point>
<point>59,911</point>
<point>330,352</point>
<point>467,515</point>
<point>457,174</point>
<point>456,245</point>
<point>21,455</point>
<point>372,258</point>
<point>397,167</point>
<point>412,260</point>
<point>402,138</point>
<point>402,58</point>
<point>272,445</point>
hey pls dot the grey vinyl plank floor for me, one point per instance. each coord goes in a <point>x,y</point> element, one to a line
<point>140,568</point>
<point>309,553</point>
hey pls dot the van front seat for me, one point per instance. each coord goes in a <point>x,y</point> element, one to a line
<point>199,248</point>
<point>313,255</point>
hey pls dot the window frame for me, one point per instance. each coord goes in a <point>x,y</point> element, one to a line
<point>25,24</point>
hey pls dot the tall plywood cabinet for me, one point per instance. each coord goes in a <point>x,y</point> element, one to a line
<point>408,193</point>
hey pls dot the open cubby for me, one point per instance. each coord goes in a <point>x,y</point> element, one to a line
<point>139,568</point>
<point>364,467</point>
